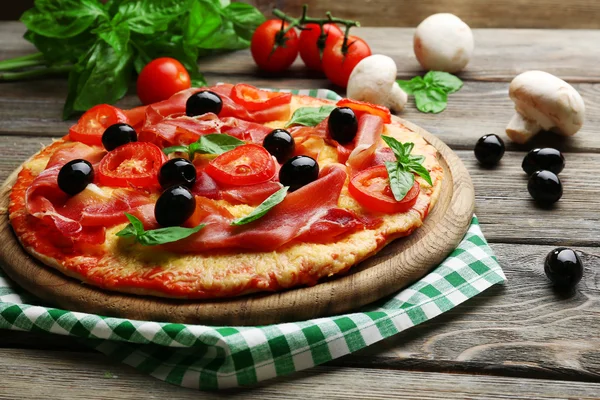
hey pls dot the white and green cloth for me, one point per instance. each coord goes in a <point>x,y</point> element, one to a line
<point>211,357</point>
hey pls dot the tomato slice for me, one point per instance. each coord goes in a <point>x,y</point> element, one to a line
<point>245,165</point>
<point>361,107</point>
<point>133,164</point>
<point>371,188</point>
<point>93,123</point>
<point>254,99</point>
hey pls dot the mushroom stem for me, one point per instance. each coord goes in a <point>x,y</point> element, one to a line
<point>397,99</point>
<point>521,129</point>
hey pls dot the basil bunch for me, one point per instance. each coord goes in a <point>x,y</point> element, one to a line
<point>102,44</point>
<point>431,91</point>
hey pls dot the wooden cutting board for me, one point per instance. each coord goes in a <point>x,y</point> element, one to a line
<point>397,265</point>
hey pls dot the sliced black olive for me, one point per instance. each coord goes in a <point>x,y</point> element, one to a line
<point>545,187</point>
<point>117,135</point>
<point>547,158</point>
<point>74,176</point>
<point>202,103</point>
<point>174,206</point>
<point>280,144</point>
<point>177,171</point>
<point>298,171</point>
<point>342,124</point>
<point>563,267</point>
<point>489,149</point>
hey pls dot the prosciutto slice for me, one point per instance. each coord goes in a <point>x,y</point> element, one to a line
<point>253,195</point>
<point>370,128</point>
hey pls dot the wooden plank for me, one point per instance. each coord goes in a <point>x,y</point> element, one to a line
<point>477,13</point>
<point>30,374</point>
<point>499,55</point>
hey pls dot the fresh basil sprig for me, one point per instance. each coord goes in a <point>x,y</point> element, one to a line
<point>401,172</point>
<point>431,91</point>
<point>310,116</point>
<point>263,207</point>
<point>214,143</point>
<point>135,228</point>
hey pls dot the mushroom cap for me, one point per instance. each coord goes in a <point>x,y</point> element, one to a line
<point>549,101</point>
<point>443,42</point>
<point>372,79</point>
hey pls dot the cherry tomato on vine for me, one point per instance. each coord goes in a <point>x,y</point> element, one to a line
<point>161,79</point>
<point>266,36</point>
<point>312,46</point>
<point>337,65</point>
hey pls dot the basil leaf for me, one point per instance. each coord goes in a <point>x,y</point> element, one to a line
<point>202,21</point>
<point>263,207</point>
<point>149,17</point>
<point>59,51</point>
<point>167,235</point>
<point>420,170</point>
<point>416,159</point>
<point>176,149</point>
<point>431,100</point>
<point>215,143</point>
<point>245,18</point>
<point>62,18</point>
<point>310,116</point>
<point>443,80</point>
<point>128,231</point>
<point>116,36</point>
<point>408,148</point>
<point>415,84</point>
<point>396,146</point>
<point>400,180</point>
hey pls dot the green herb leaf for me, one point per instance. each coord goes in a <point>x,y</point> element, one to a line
<point>245,19</point>
<point>431,100</point>
<point>263,207</point>
<point>443,80</point>
<point>136,223</point>
<point>116,36</point>
<point>396,146</point>
<point>62,18</point>
<point>400,180</point>
<point>60,51</point>
<point>153,237</point>
<point>420,170</point>
<point>148,17</point>
<point>310,116</point>
<point>176,149</point>
<point>215,143</point>
<point>414,85</point>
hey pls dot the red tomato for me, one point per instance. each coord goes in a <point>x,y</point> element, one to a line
<point>161,79</point>
<point>133,164</point>
<point>371,188</point>
<point>363,107</point>
<point>93,123</point>
<point>263,42</point>
<point>245,165</point>
<point>311,50</point>
<point>338,66</point>
<point>254,99</point>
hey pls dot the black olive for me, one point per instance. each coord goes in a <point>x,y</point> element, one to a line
<point>74,176</point>
<point>202,103</point>
<point>174,206</point>
<point>298,171</point>
<point>177,171</point>
<point>547,158</point>
<point>117,135</point>
<point>563,267</point>
<point>489,149</point>
<point>545,187</point>
<point>342,124</point>
<point>280,144</point>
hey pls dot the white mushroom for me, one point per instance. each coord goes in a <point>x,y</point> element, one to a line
<point>374,80</point>
<point>543,101</point>
<point>443,42</point>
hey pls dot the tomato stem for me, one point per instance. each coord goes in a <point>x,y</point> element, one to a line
<point>305,19</point>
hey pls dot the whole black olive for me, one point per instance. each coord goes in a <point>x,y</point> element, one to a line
<point>280,144</point>
<point>547,158</point>
<point>74,176</point>
<point>489,149</point>
<point>117,135</point>
<point>174,206</point>
<point>545,187</point>
<point>202,103</point>
<point>177,171</point>
<point>342,125</point>
<point>563,267</point>
<point>298,171</point>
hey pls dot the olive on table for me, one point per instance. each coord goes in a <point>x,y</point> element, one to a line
<point>280,144</point>
<point>74,176</point>
<point>174,206</point>
<point>545,187</point>
<point>546,158</point>
<point>563,267</point>
<point>298,171</point>
<point>202,103</point>
<point>177,171</point>
<point>489,149</point>
<point>342,124</point>
<point>117,135</point>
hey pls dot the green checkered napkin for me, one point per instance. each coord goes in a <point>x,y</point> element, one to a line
<point>209,357</point>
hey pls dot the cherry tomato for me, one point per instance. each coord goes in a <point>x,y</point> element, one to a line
<point>245,165</point>
<point>161,79</point>
<point>264,39</point>
<point>363,107</point>
<point>133,164</point>
<point>254,99</point>
<point>310,52</point>
<point>371,188</point>
<point>93,123</point>
<point>338,66</point>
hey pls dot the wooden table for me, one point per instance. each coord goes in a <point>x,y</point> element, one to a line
<point>520,340</point>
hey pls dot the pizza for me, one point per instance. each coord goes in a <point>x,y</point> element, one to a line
<point>223,191</point>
